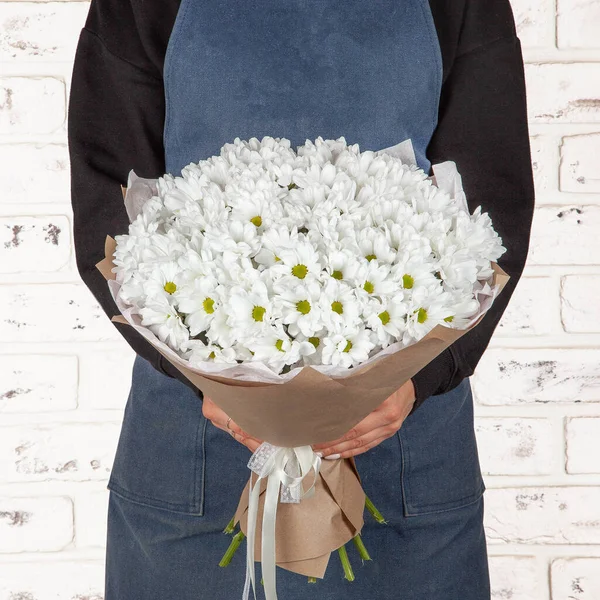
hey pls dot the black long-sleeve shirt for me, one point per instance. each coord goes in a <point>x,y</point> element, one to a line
<point>116,118</point>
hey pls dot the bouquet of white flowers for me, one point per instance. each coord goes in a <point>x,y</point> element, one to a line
<point>299,289</point>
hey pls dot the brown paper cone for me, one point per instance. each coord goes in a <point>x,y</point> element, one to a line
<point>337,506</point>
<point>309,409</point>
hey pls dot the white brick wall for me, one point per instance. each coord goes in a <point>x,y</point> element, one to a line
<point>537,387</point>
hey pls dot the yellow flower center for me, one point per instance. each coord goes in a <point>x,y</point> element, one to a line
<point>256,220</point>
<point>337,307</point>
<point>279,345</point>
<point>170,287</point>
<point>369,287</point>
<point>407,281</point>
<point>384,317</point>
<point>299,271</point>
<point>212,355</point>
<point>303,307</point>
<point>315,341</point>
<point>348,346</point>
<point>422,316</point>
<point>370,257</point>
<point>449,319</point>
<point>258,312</point>
<point>337,275</point>
<point>209,306</point>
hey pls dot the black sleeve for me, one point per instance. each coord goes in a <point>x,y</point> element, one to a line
<point>115,123</point>
<point>483,128</point>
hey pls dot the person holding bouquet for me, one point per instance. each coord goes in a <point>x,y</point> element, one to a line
<point>154,89</point>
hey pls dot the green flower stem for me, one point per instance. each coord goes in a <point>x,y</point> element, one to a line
<point>349,574</point>
<point>362,550</point>
<point>235,542</point>
<point>230,526</point>
<point>312,580</point>
<point>376,514</point>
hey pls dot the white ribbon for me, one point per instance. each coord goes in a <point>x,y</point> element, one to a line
<point>285,466</point>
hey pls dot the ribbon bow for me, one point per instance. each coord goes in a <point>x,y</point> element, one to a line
<point>286,466</point>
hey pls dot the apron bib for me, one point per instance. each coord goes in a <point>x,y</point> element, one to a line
<point>368,71</point>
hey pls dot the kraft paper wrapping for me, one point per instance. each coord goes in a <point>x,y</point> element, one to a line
<point>307,409</point>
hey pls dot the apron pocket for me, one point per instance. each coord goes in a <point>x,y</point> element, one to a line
<point>160,456</point>
<point>439,452</point>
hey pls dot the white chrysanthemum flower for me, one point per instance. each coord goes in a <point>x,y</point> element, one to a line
<point>340,308</point>
<point>276,348</point>
<point>374,245</point>
<point>220,333</point>
<point>163,280</point>
<point>347,348</point>
<point>299,306</point>
<point>274,240</point>
<point>374,279</point>
<point>412,271</point>
<point>342,265</point>
<point>199,301</point>
<point>458,268</point>
<point>255,201</point>
<point>250,311</point>
<point>162,318</point>
<point>298,263</point>
<point>463,310</point>
<point>427,307</point>
<point>232,238</point>
<point>199,352</point>
<point>387,318</point>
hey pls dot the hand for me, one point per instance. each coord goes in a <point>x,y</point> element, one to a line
<point>377,426</point>
<point>219,419</point>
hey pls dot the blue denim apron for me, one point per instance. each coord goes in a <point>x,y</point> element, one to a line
<point>370,71</point>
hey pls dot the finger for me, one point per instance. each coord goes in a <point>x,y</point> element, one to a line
<point>362,449</point>
<point>238,433</point>
<point>250,443</point>
<point>372,421</point>
<point>386,431</point>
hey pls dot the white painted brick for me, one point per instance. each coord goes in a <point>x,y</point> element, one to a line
<point>34,244</point>
<point>575,578</point>
<point>583,445</point>
<point>52,313</point>
<point>41,524</point>
<point>543,515</point>
<point>522,376</point>
<point>565,236</point>
<point>577,23</point>
<point>533,19</point>
<point>30,105</point>
<point>34,31</point>
<point>563,92</point>
<point>73,452</point>
<point>579,166</point>
<point>66,580</point>
<point>580,308</point>
<point>105,378</point>
<point>37,383</point>
<point>90,519</point>
<point>34,173</point>
<point>531,310</point>
<point>515,446</point>
<point>543,161</point>
<point>515,578</point>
